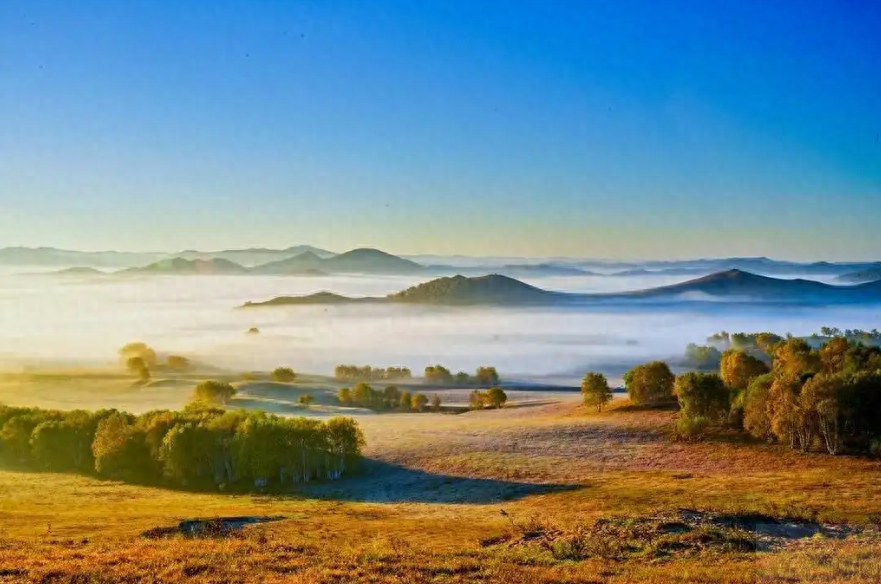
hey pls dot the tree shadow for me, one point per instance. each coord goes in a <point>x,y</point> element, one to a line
<point>382,482</point>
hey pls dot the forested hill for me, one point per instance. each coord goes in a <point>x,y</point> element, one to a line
<point>497,290</point>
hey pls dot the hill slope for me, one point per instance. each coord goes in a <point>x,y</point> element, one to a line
<point>188,267</point>
<point>861,276</point>
<point>492,289</point>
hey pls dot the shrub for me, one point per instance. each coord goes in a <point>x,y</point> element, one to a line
<point>691,429</point>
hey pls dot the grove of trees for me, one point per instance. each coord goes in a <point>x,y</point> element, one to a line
<point>283,375</point>
<point>785,390</point>
<point>198,447</point>
<point>385,400</point>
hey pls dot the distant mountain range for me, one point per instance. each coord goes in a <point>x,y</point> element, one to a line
<point>309,260</point>
<point>363,261</point>
<point>498,290</point>
<point>51,257</point>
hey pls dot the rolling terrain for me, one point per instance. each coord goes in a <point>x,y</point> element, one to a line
<point>497,290</point>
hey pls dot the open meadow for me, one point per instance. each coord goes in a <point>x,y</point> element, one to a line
<point>543,493</point>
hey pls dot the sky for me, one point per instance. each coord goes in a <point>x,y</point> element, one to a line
<point>620,129</point>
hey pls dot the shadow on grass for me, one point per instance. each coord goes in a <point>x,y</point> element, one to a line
<point>381,482</point>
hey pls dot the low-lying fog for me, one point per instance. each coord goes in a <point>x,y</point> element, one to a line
<point>64,320</point>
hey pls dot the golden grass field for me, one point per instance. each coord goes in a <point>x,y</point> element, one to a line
<point>475,497</point>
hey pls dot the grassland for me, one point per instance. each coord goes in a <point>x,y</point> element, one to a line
<point>535,493</point>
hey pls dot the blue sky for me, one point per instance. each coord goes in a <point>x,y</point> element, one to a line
<point>604,129</point>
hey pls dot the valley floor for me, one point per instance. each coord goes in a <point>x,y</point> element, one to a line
<point>533,494</point>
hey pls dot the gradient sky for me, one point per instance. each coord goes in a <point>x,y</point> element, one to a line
<point>603,129</point>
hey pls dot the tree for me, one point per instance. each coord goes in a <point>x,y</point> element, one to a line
<point>119,450</point>
<point>496,397</point>
<point>487,376</point>
<point>435,402</point>
<point>756,419</point>
<point>824,396</point>
<point>418,402</point>
<point>139,367</point>
<point>391,397</point>
<point>344,396</point>
<point>405,401</point>
<point>362,395</point>
<point>702,395</point>
<point>438,374</point>
<point>737,369</point>
<point>178,362</point>
<point>283,375</point>
<point>54,445</point>
<point>475,400</point>
<point>306,400</point>
<point>214,392</point>
<point>794,359</point>
<point>595,390</point>
<point>138,349</point>
<point>650,384</point>
<point>462,378</point>
<point>702,357</point>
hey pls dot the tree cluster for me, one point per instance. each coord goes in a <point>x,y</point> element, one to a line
<point>197,448</point>
<point>825,398</point>
<point>368,373</point>
<point>386,400</point>
<point>494,397</point>
<point>650,384</point>
<point>485,375</point>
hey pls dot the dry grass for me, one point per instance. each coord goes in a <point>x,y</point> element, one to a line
<point>430,508</point>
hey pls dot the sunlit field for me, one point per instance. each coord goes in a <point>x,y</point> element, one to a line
<point>494,496</point>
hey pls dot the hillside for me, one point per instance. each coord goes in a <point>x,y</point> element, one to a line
<point>317,298</point>
<point>861,276</point>
<point>304,263</point>
<point>737,285</point>
<point>493,289</point>
<point>370,261</point>
<point>189,267</point>
<point>256,256</point>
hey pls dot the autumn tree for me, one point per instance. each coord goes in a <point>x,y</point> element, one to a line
<point>496,397</point>
<point>435,402</point>
<point>595,390</point>
<point>418,402</point>
<point>306,400</point>
<point>737,369</point>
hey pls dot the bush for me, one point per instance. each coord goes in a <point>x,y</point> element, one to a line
<point>283,375</point>
<point>691,429</point>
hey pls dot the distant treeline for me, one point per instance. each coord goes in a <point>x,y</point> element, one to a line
<point>197,448</point>
<point>388,399</point>
<point>440,374</point>
<point>368,373</point>
<point>778,389</point>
